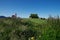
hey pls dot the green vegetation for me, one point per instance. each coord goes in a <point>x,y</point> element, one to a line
<point>29,29</point>
<point>34,16</point>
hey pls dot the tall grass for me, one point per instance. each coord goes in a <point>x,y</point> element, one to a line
<point>54,23</point>
<point>22,29</point>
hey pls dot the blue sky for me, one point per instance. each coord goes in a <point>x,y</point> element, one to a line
<point>24,8</point>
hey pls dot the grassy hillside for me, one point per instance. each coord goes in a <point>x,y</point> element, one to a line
<point>38,21</point>
<point>29,29</point>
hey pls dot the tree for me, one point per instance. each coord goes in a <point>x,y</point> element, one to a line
<point>34,16</point>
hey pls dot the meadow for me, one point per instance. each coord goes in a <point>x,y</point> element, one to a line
<point>29,29</point>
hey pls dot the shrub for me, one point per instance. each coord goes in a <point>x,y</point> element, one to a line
<point>34,16</point>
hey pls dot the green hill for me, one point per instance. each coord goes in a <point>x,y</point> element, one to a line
<point>29,29</point>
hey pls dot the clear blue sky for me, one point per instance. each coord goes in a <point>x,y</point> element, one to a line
<point>24,8</point>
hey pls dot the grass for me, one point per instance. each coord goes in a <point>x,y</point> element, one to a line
<point>38,21</point>
<point>28,28</point>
